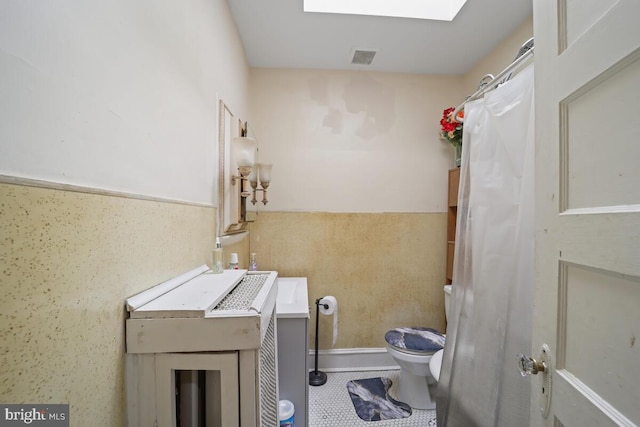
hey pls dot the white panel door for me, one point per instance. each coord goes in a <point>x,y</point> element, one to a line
<point>587,303</point>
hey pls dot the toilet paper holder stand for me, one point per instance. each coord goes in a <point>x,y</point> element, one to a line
<point>317,378</point>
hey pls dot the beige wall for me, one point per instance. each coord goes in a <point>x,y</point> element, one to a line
<point>386,270</point>
<point>69,260</point>
<point>353,141</point>
<point>117,96</point>
<point>358,194</point>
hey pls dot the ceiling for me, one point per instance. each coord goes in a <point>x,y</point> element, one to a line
<point>278,34</point>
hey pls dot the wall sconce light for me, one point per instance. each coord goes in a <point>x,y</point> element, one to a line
<point>244,150</point>
<point>264,173</point>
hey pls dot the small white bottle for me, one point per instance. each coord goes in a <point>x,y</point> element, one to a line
<point>253,264</point>
<point>233,261</point>
<point>216,265</point>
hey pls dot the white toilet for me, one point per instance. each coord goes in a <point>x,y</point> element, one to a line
<point>412,349</point>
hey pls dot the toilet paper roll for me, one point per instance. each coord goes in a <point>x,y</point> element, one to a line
<point>331,310</point>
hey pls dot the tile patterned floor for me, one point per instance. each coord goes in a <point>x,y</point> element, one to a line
<point>330,404</point>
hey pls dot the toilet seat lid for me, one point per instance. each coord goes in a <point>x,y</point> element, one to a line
<point>415,340</point>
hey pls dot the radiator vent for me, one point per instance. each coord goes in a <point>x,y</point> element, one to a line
<point>242,296</point>
<point>363,57</point>
<point>268,376</point>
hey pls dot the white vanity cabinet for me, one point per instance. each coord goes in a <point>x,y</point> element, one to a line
<point>292,308</point>
<point>202,350</point>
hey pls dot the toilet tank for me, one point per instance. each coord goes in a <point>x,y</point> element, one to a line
<point>447,300</point>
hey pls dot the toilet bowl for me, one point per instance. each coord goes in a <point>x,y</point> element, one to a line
<point>413,350</point>
<point>435,364</point>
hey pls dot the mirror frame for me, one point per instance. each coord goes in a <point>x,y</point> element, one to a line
<point>228,217</point>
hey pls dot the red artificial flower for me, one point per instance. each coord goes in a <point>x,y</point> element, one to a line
<point>450,128</point>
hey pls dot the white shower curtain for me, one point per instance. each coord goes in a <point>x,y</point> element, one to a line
<point>492,297</point>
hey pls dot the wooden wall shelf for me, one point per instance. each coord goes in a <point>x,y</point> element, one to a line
<point>452,211</point>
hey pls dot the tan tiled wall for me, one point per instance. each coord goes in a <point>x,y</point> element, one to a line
<point>68,261</point>
<point>385,269</point>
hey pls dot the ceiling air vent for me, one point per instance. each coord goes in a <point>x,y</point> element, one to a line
<point>363,57</point>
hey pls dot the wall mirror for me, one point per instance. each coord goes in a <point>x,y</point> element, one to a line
<point>234,213</point>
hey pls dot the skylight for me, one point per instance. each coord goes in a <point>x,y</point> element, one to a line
<point>441,10</point>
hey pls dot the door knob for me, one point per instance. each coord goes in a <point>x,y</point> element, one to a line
<point>530,366</point>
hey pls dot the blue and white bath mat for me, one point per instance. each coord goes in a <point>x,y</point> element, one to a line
<point>371,400</point>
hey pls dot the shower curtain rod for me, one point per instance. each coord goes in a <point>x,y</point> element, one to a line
<point>526,50</point>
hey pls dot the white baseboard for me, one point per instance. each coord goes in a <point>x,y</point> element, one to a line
<point>353,359</point>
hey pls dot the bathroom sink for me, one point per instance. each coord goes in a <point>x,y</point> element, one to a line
<point>292,299</point>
